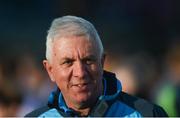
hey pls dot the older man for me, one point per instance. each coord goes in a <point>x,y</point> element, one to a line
<point>75,58</point>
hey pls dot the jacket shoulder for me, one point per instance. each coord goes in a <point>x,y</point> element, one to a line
<point>38,112</point>
<point>144,107</point>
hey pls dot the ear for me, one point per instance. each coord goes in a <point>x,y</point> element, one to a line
<point>49,69</point>
<point>103,59</point>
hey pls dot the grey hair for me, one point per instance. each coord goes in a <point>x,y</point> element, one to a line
<point>71,26</point>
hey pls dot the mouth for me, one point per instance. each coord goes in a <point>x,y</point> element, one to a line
<point>81,86</point>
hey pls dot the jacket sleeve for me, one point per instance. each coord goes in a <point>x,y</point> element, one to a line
<point>159,112</point>
<point>144,107</point>
<point>37,112</point>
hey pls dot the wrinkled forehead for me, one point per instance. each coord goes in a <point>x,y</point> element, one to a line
<point>76,44</point>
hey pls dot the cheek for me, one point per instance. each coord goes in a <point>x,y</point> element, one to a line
<point>96,71</point>
<point>61,73</point>
<point>62,82</point>
<point>62,77</point>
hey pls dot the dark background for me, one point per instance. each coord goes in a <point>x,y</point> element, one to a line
<point>125,26</point>
<point>137,34</point>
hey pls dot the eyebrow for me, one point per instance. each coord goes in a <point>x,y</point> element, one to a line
<point>66,58</point>
<point>91,56</point>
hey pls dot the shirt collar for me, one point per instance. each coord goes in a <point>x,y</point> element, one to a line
<point>62,104</point>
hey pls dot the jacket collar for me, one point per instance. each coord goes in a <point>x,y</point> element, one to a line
<point>112,87</point>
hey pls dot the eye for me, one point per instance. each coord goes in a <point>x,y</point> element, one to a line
<point>67,62</point>
<point>89,61</point>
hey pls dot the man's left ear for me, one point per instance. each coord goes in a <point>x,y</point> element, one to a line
<point>103,59</point>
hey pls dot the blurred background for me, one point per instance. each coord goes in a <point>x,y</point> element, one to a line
<point>141,39</point>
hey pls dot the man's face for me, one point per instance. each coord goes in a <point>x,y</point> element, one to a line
<point>77,69</point>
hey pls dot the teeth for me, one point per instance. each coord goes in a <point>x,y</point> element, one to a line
<point>79,85</point>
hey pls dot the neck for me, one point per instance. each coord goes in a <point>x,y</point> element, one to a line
<point>84,108</point>
<point>83,112</point>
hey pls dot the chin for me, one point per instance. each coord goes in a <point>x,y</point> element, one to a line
<point>83,98</point>
<point>85,101</point>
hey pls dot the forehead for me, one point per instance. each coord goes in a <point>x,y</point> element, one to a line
<point>74,45</point>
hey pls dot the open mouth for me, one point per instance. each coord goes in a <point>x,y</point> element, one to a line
<point>81,87</point>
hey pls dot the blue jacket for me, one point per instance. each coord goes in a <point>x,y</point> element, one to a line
<point>113,103</point>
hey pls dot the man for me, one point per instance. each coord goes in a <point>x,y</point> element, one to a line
<point>75,59</point>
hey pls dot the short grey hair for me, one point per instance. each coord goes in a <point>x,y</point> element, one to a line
<point>71,26</point>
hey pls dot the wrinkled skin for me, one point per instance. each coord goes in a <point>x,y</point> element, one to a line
<point>76,67</point>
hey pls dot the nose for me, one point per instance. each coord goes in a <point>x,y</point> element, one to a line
<point>79,70</point>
